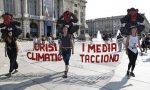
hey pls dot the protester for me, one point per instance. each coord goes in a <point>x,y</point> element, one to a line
<point>10,31</point>
<point>131,49</point>
<point>50,40</point>
<point>43,40</point>
<point>11,48</point>
<point>65,45</point>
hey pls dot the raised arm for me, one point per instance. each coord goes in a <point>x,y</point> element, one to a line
<point>75,19</point>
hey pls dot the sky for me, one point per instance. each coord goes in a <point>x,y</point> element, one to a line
<point>109,8</point>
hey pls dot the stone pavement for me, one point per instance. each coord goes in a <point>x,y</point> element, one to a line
<point>35,75</point>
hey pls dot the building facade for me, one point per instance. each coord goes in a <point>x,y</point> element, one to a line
<point>109,25</point>
<point>38,17</point>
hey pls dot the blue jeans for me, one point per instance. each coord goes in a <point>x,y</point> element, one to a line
<point>66,53</point>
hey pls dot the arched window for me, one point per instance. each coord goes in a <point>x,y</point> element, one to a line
<point>33,29</point>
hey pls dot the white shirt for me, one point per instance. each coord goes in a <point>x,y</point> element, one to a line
<point>133,41</point>
<point>35,40</point>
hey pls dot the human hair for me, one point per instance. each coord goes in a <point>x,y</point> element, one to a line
<point>7,14</point>
<point>131,28</point>
<point>64,28</point>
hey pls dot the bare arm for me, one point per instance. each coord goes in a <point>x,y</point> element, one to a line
<point>127,43</point>
<point>72,46</point>
<point>75,19</point>
<point>5,50</point>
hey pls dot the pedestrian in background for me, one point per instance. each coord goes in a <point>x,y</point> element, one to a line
<point>35,41</point>
<point>43,40</point>
<point>120,42</point>
<point>147,42</point>
<point>50,40</point>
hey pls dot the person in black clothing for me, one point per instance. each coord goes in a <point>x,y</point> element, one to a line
<point>43,39</point>
<point>10,32</point>
<point>105,38</point>
<point>68,18</point>
<point>147,42</point>
<point>65,46</point>
<point>133,18</point>
<point>143,45</point>
<point>10,25</point>
<point>11,48</point>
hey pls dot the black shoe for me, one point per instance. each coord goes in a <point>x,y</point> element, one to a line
<point>15,71</point>
<point>8,75</point>
<point>65,74</point>
<point>132,74</point>
<point>128,73</point>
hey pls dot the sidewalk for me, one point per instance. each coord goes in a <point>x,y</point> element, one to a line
<point>141,80</point>
<point>35,75</point>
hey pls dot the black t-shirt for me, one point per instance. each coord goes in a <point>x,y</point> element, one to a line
<point>66,41</point>
<point>147,40</point>
<point>119,37</point>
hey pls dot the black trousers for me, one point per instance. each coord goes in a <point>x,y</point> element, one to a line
<point>132,59</point>
<point>12,55</point>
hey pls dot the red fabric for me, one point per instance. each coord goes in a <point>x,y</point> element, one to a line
<point>67,16</point>
<point>7,19</point>
<point>133,15</point>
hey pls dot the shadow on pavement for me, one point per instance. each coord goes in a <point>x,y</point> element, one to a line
<point>25,84</point>
<point>56,78</point>
<point>147,60</point>
<point>117,85</point>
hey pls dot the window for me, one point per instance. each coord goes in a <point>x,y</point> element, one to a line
<point>32,7</point>
<point>75,5</point>
<point>9,6</point>
<point>82,17</point>
<point>76,13</point>
<point>48,8</point>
